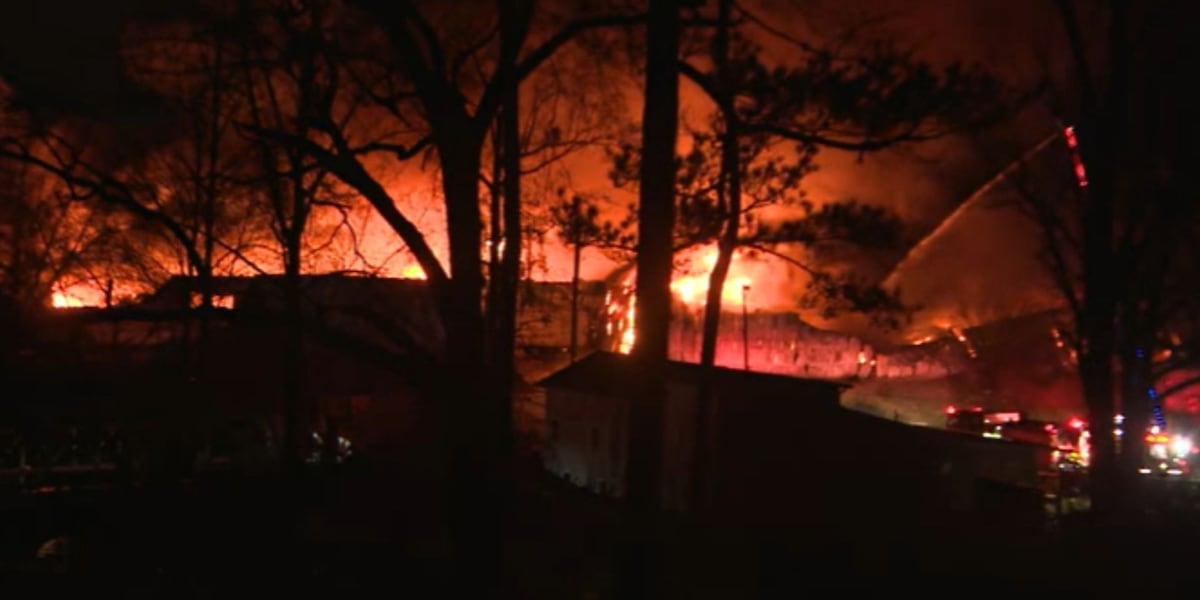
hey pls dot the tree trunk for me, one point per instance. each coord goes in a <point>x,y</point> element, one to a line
<point>729,191</point>
<point>577,248</point>
<point>1101,134</point>
<point>495,234</point>
<point>208,191</point>
<point>1135,407</point>
<point>1096,373</point>
<point>656,215</point>
<point>511,26</point>
<point>292,226</point>
<point>293,373</point>
<point>470,422</point>
<point>197,347</point>
<point>483,568</point>
<point>1097,334</point>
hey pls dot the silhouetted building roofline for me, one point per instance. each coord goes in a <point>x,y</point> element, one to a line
<point>609,371</point>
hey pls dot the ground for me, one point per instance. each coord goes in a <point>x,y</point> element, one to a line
<point>373,527</point>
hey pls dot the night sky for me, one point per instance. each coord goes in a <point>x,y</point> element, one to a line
<point>70,66</point>
<point>61,56</point>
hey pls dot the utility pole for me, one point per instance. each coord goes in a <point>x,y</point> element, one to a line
<point>576,234</point>
<point>745,329</point>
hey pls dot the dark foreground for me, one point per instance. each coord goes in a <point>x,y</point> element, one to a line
<point>373,529</point>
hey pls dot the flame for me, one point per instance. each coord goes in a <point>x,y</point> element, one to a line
<point>354,241</point>
<point>64,300</point>
<point>413,271</point>
<point>218,300</point>
<point>620,309</point>
<point>626,344</point>
<point>90,295</point>
<point>690,288</point>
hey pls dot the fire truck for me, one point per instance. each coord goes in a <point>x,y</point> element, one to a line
<point>1011,425</point>
<point>1068,441</point>
<point>1168,455</point>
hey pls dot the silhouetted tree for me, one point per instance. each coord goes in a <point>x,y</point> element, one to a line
<point>577,220</point>
<point>47,240</point>
<point>444,91</point>
<point>179,189</point>
<point>655,250</point>
<point>1117,221</point>
<point>279,90</point>
<point>862,99</point>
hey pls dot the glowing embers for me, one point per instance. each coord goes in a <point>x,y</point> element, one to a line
<point>1076,159</point>
<point>1068,356</point>
<point>218,300</point>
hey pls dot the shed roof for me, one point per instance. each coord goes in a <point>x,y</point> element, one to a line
<point>610,371</point>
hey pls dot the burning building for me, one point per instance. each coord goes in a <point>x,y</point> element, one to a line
<point>783,343</point>
<point>762,330</point>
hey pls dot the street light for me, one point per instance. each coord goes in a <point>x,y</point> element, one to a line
<point>745,329</point>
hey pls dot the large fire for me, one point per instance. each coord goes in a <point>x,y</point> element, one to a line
<point>413,271</point>
<point>65,300</point>
<point>689,287</point>
<point>692,287</point>
<point>357,241</point>
<point>86,294</point>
